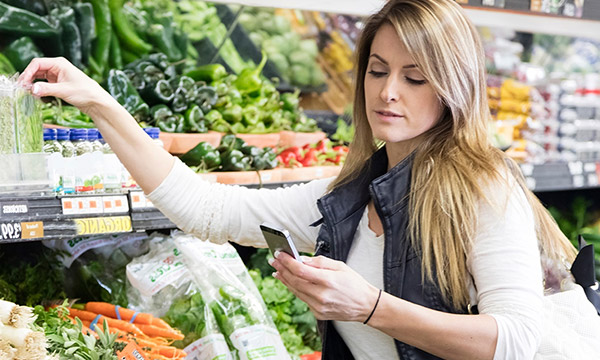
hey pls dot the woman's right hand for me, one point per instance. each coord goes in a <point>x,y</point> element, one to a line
<point>65,81</point>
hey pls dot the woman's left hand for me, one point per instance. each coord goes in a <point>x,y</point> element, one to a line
<point>331,289</point>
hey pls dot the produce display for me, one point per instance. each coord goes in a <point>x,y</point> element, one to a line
<point>233,154</point>
<point>295,58</point>
<point>321,153</point>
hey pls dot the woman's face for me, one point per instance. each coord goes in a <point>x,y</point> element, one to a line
<point>400,103</point>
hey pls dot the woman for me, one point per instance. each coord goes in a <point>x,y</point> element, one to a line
<point>435,218</point>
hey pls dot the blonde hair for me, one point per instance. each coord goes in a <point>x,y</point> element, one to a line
<point>455,163</point>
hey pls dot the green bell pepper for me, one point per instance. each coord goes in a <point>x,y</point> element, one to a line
<point>37,7</point>
<point>172,124</point>
<point>235,160</point>
<point>179,103</point>
<point>249,79</point>
<point>231,142</point>
<point>194,121</point>
<point>220,126</point>
<point>101,47</point>
<point>250,150</point>
<point>251,115</point>
<point>115,58</point>
<point>160,112</point>
<point>70,36</point>
<point>84,18</point>
<point>163,40</point>
<point>213,116</point>
<point>6,67</point>
<point>238,128</point>
<point>208,73</point>
<point>233,114</point>
<point>127,36</point>
<point>205,97</point>
<point>123,91</point>
<point>204,155</point>
<point>21,22</point>
<point>159,93</point>
<point>21,51</point>
<point>290,101</point>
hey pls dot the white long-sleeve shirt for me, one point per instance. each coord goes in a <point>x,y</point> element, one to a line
<point>504,261</point>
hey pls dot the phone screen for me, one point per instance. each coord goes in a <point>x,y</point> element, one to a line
<point>279,240</point>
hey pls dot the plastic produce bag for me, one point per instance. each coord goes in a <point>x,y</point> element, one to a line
<point>20,119</point>
<point>233,298</point>
<point>160,284</point>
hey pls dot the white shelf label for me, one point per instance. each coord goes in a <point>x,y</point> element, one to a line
<point>589,167</point>
<point>527,169</point>
<point>530,183</point>
<point>115,204</point>
<point>578,181</point>
<point>592,180</point>
<point>576,168</point>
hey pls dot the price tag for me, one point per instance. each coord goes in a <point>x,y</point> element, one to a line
<point>138,200</point>
<point>576,168</point>
<point>10,231</point>
<point>115,204</point>
<point>13,209</point>
<point>589,167</point>
<point>530,182</point>
<point>32,230</point>
<point>527,169</point>
<point>578,181</point>
<point>592,180</point>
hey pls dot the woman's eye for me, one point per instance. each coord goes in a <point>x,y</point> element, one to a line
<point>414,81</point>
<point>377,73</point>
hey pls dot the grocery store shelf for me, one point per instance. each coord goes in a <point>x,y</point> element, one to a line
<point>492,17</point>
<point>562,176</point>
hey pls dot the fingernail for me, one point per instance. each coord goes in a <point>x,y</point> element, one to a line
<point>276,254</point>
<point>275,274</point>
<point>35,89</point>
<point>271,261</point>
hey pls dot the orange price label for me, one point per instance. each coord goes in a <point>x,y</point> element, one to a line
<point>131,352</point>
<point>32,230</point>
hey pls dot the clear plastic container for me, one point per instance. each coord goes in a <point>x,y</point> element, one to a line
<point>51,144</point>
<point>64,139</point>
<point>105,147</point>
<point>93,138</point>
<point>154,134</point>
<point>79,138</point>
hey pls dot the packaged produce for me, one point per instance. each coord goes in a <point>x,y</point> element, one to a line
<point>51,144</point>
<point>233,298</point>
<point>160,284</point>
<point>64,139</point>
<point>20,119</point>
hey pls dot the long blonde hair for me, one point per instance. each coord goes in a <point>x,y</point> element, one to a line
<point>455,163</point>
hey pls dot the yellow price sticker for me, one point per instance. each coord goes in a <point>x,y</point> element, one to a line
<point>103,225</point>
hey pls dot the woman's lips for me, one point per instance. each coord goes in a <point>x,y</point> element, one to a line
<point>388,116</point>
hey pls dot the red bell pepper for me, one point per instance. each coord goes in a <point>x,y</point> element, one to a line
<point>323,145</point>
<point>310,158</point>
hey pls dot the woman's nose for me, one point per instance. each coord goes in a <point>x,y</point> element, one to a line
<point>390,91</point>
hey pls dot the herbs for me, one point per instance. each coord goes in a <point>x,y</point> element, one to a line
<point>68,341</point>
<point>292,317</point>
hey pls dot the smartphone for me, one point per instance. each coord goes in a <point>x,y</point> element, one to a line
<point>279,240</point>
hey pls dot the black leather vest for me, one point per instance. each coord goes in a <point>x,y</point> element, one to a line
<point>342,210</point>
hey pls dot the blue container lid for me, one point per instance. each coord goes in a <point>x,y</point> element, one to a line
<point>63,134</point>
<point>153,132</point>
<point>78,134</point>
<point>49,134</point>
<point>92,134</point>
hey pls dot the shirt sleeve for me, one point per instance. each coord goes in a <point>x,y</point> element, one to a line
<point>506,269</point>
<point>221,213</point>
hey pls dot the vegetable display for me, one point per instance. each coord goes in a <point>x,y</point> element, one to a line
<point>294,57</point>
<point>321,153</point>
<point>233,154</point>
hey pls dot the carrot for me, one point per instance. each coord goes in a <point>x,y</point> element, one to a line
<point>160,323</point>
<point>126,314</point>
<point>171,352</point>
<point>154,331</point>
<point>112,327</point>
